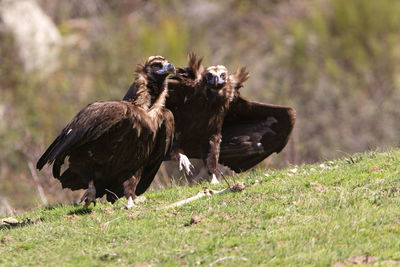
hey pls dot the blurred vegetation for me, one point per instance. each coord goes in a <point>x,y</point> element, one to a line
<point>335,61</point>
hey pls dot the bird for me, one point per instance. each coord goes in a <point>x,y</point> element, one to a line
<point>199,120</point>
<point>115,148</point>
<point>213,122</point>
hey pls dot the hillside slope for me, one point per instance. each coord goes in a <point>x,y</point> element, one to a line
<point>336,213</point>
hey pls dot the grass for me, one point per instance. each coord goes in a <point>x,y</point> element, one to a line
<point>307,215</point>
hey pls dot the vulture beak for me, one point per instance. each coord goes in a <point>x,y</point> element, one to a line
<point>166,69</point>
<point>214,80</point>
<point>170,68</point>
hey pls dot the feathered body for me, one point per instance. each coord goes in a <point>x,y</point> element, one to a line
<point>200,117</point>
<point>214,123</point>
<point>115,148</point>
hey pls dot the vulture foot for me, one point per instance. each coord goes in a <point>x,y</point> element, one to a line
<point>214,179</point>
<point>130,204</point>
<point>184,163</point>
<point>90,195</point>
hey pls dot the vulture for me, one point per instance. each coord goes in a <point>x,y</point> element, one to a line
<point>116,147</point>
<point>213,122</point>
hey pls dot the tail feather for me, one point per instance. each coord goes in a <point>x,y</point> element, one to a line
<point>47,154</point>
<point>62,144</point>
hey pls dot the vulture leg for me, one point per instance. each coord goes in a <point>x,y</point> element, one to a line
<point>184,163</point>
<point>214,179</point>
<point>130,188</point>
<point>90,195</point>
<point>183,160</point>
<point>130,204</point>
<point>212,157</point>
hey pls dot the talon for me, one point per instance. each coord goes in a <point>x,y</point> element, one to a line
<point>130,204</point>
<point>88,201</point>
<point>184,163</point>
<point>214,179</point>
<point>89,196</point>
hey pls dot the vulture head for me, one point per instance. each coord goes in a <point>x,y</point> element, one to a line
<point>216,81</point>
<point>154,72</point>
<point>158,68</point>
<point>216,77</point>
<point>150,82</point>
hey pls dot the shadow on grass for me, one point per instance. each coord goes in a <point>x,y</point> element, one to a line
<point>80,211</point>
<point>52,207</point>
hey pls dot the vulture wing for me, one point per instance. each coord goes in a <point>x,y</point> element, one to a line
<point>88,125</point>
<point>131,92</point>
<point>252,131</point>
<point>163,144</point>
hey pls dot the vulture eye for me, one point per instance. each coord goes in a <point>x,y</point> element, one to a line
<point>156,65</point>
<point>209,76</point>
<point>223,76</point>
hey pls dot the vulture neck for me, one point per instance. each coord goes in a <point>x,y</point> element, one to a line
<point>151,93</point>
<point>223,95</point>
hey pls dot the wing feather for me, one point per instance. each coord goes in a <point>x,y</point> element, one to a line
<point>131,92</point>
<point>252,131</point>
<point>88,125</point>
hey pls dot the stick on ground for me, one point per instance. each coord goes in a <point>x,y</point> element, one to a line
<point>206,192</point>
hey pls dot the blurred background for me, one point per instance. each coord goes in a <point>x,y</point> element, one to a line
<point>335,61</point>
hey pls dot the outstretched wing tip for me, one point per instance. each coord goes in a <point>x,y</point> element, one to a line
<point>292,114</point>
<point>239,77</point>
<point>253,119</point>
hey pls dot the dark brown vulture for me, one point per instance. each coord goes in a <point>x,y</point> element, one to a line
<point>214,123</point>
<point>115,148</point>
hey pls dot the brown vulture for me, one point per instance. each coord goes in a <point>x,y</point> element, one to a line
<point>214,123</point>
<point>115,148</point>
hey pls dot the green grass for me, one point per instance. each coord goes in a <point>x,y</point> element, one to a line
<point>311,215</point>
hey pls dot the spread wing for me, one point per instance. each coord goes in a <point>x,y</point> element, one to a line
<point>252,131</point>
<point>163,144</point>
<point>88,125</point>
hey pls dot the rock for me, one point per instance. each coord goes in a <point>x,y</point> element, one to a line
<point>238,187</point>
<point>6,240</point>
<point>36,37</point>
<point>356,260</point>
<point>318,187</point>
<point>139,199</point>
<point>9,220</point>
<point>194,220</point>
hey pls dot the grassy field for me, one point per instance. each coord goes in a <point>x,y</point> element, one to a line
<point>334,213</point>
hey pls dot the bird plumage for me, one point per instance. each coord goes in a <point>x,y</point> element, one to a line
<point>252,131</point>
<point>221,126</point>
<point>116,147</point>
